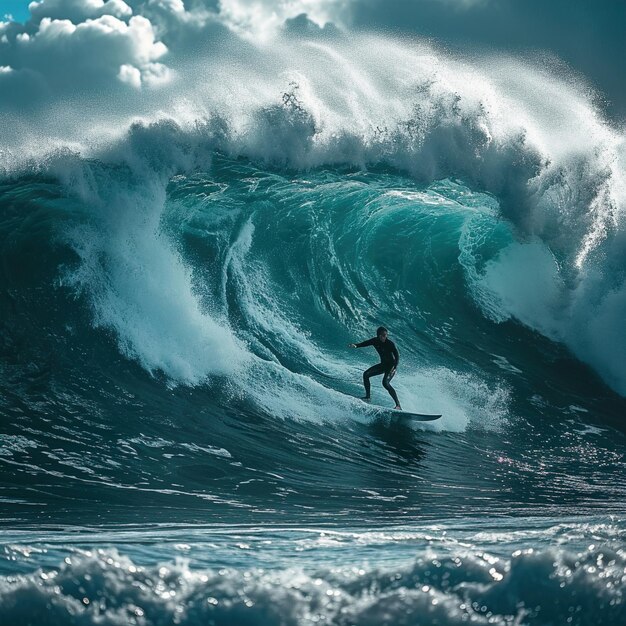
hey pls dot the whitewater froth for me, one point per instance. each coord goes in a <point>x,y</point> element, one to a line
<point>138,284</point>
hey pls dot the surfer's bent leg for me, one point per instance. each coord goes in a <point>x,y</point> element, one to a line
<point>387,385</point>
<point>375,370</point>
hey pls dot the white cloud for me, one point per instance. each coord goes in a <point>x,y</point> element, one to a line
<point>261,18</point>
<point>172,6</point>
<point>78,50</point>
<point>71,47</point>
<point>66,58</point>
<point>95,43</point>
<point>78,10</point>
<point>130,74</point>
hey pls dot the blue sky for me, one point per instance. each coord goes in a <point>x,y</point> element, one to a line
<point>17,8</point>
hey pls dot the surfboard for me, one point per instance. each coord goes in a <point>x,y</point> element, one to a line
<point>389,412</point>
<point>419,417</point>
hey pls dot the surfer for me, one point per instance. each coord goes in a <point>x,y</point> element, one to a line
<point>389,359</point>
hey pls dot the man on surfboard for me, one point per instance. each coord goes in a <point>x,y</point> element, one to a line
<point>389,359</point>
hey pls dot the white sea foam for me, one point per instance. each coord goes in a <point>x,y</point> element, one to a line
<point>449,588</point>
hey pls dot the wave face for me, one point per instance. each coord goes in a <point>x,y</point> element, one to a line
<point>176,302</point>
<point>203,324</point>
<point>528,135</point>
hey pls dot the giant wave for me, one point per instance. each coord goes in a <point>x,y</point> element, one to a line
<point>519,133</point>
<point>182,272</point>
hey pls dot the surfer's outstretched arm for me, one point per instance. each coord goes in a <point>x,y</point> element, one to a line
<point>363,344</point>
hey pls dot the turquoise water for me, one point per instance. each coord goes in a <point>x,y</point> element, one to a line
<point>197,452</point>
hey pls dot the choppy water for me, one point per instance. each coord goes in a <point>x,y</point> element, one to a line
<point>180,439</point>
<point>450,574</point>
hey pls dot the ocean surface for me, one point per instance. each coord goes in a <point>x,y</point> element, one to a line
<point>181,440</point>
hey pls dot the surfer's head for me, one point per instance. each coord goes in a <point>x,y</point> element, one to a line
<point>381,333</point>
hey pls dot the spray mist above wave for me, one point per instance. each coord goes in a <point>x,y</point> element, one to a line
<point>524,133</point>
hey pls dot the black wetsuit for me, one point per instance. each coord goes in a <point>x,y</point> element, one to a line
<point>389,358</point>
